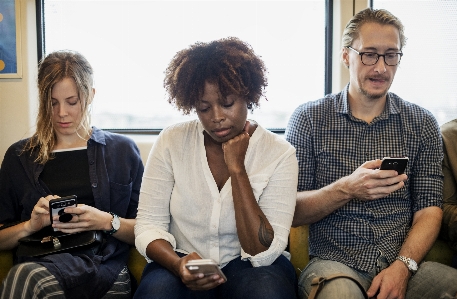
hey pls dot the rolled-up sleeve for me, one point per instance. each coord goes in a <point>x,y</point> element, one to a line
<point>277,201</point>
<point>427,178</point>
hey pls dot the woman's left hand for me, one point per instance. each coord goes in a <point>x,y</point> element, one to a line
<point>235,150</point>
<point>84,218</point>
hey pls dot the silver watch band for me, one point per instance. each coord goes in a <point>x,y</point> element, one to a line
<point>409,262</point>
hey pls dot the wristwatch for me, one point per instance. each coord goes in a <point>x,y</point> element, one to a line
<point>115,224</point>
<point>409,262</point>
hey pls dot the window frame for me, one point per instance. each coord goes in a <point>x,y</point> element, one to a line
<point>328,31</point>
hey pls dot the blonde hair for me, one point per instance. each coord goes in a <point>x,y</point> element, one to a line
<point>368,15</point>
<point>55,67</point>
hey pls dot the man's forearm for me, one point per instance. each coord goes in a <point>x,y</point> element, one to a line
<point>314,205</point>
<point>423,233</point>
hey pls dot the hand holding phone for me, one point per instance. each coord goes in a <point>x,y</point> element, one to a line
<point>206,266</point>
<point>58,205</point>
<point>394,163</point>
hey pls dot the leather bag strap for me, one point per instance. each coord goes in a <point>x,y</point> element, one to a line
<point>318,283</point>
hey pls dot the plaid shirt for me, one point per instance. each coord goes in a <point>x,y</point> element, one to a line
<point>331,144</point>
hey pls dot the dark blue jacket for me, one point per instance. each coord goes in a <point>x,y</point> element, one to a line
<point>115,171</point>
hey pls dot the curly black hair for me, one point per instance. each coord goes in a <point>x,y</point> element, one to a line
<point>229,63</point>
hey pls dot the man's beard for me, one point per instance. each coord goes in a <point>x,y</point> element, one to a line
<point>374,96</point>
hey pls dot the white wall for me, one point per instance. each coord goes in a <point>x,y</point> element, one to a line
<point>18,97</point>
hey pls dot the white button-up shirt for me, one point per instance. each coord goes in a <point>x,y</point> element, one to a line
<point>181,203</point>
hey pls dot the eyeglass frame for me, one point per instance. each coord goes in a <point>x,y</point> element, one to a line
<point>377,56</point>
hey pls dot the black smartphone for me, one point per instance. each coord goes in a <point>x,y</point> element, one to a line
<point>58,205</point>
<point>205,266</point>
<point>394,163</point>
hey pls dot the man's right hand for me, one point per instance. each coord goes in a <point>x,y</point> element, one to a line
<point>368,182</point>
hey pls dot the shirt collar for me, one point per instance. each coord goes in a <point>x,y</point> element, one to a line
<point>343,105</point>
<point>98,136</point>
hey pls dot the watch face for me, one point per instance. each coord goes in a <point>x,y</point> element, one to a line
<point>116,222</point>
<point>412,265</point>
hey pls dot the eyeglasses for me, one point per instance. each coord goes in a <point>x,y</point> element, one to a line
<point>370,58</point>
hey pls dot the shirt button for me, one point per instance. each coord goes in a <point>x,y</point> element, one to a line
<point>91,162</point>
<point>94,185</point>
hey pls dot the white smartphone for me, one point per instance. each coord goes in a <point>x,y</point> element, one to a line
<point>206,266</point>
<point>395,163</point>
<point>58,205</point>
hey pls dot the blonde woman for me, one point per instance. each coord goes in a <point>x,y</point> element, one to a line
<point>67,156</point>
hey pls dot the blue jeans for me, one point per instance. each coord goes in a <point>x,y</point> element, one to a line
<point>276,281</point>
<point>431,281</point>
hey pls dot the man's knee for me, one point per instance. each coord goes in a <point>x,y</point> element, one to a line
<point>339,287</point>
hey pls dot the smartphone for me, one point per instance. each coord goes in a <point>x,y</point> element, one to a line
<point>394,163</point>
<point>58,205</point>
<point>206,266</point>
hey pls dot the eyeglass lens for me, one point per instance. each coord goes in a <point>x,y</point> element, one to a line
<point>389,58</point>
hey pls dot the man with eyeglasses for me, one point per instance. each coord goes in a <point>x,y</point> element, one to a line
<point>369,228</point>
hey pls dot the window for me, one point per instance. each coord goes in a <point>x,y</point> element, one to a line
<point>428,69</point>
<point>130,43</point>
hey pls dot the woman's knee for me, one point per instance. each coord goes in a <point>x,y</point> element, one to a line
<point>160,282</point>
<point>30,280</point>
<point>274,281</point>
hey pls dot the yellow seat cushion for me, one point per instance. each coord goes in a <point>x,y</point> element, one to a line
<point>441,252</point>
<point>298,246</point>
<point>136,263</point>
<point>6,262</point>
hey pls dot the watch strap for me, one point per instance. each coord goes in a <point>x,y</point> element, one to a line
<point>408,261</point>
<point>112,230</point>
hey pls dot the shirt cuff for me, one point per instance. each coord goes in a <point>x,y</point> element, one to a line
<point>268,256</point>
<point>142,241</point>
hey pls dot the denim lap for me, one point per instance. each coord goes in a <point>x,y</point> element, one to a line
<point>433,281</point>
<point>276,281</point>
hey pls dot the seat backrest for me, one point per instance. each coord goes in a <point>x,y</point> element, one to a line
<point>298,246</point>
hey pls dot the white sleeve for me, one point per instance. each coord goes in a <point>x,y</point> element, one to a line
<point>277,202</point>
<point>153,216</point>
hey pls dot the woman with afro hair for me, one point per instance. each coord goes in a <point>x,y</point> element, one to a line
<point>220,187</point>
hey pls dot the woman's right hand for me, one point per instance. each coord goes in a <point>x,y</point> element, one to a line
<point>196,281</point>
<point>40,214</point>
<point>9,237</point>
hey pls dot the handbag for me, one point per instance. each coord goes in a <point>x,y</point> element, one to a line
<point>46,241</point>
<point>318,283</point>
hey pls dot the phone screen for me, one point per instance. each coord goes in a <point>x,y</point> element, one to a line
<point>394,163</point>
<point>58,205</point>
<point>205,266</point>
